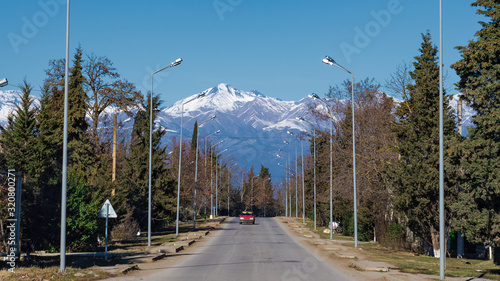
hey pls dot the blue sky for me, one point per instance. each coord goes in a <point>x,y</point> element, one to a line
<point>275,47</point>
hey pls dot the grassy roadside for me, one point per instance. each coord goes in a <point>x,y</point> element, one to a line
<point>411,263</point>
<point>46,267</point>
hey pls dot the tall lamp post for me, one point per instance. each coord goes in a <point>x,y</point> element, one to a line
<point>218,131</point>
<point>180,163</point>
<point>303,187</point>
<point>314,164</point>
<point>442,245</point>
<point>196,171</point>
<point>328,60</point>
<point>175,63</point>
<point>212,213</point>
<point>286,183</point>
<point>331,162</point>
<point>288,180</point>
<point>64,186</point>
<point>4,82</point>
<point>296,180</point>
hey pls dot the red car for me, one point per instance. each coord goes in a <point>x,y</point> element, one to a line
<point>247,217</point>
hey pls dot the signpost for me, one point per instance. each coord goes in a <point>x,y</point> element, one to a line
<point>107,211</point>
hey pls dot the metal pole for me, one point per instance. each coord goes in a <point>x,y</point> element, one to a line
<point>331,176</point>
<point>150,161</point>
<point>286,190</point>
<point>296,184</point>
<point>211,185</point>
<point>442,244</point>
<point>179,177</point>
<point>354,166</point>
<point>314,159</point>
<point>106,246</point>
<point>216,184</point>
<point>62,267</point>
<point>303,187</point>
<point>195,180</point>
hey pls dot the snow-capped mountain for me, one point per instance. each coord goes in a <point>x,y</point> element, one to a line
<point>253,126</point>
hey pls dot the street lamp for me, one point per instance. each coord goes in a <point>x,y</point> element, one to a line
<point>217,203</point>
<point>303,188</point>
<point>288,180</point>
<point>314,164</point>
<point>212,214</point>
<point>331,162</point>
<point>286,184</point>
<point>180,162</point>
<point>3,82</point>
<point>196,170</point>
<point>175,63</point>
<point>218,131</point>
<point>296,180</point>
<point>328,60</point>
<point>64,187</point>
<point>442,246</point>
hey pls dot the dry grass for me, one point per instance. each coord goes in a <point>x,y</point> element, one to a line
<point>411,263</point>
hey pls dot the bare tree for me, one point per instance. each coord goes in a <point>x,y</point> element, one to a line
<point>399,81</point>
<point>105,89</point>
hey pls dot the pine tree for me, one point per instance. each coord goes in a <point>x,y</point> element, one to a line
<point>417,131</point>
<point>19,144</point>
<point>84,197</point>
<point>134,186</point>
<point>479,71</point>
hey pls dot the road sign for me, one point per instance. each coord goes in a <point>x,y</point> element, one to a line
<point>107,211</point>
<point>111,211</point>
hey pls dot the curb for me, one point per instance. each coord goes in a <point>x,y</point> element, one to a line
<point>159,257</point>
<point>128,269</point>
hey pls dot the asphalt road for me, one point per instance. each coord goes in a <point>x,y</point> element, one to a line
<point>259,252</point>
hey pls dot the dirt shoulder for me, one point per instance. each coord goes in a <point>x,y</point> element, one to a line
<point>343,255</point>
<point>133,262</point>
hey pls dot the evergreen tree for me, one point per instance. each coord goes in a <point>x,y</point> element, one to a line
<point>19,144</point>
<point>84,197</point>
<point>135,177</point>
<point>195,136</point>
<point>479,71</point>
<point>416,176</point>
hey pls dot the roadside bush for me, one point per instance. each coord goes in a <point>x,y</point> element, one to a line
<point>127,229</point>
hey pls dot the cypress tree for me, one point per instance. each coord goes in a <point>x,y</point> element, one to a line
<point>479,71</point>
<point>195,136</point>
<point>417,135</point>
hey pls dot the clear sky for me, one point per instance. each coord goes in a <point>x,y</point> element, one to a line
<point>275,47</point>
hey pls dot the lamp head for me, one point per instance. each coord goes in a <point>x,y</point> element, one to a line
<point>315,96</point>
<point>290,133</point>
<point>328,60</point>
<point>201,95</point>
<point>218,131</point>
<point>300,118</point>
<point>286,142</point>
<point>177,62</point>
<point>3,82</point>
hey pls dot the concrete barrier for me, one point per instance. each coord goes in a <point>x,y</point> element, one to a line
<point>130,268</point>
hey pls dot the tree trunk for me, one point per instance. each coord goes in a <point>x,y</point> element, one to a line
<point>435,241</point>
